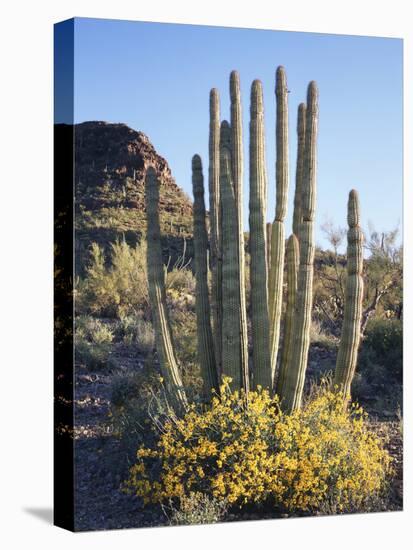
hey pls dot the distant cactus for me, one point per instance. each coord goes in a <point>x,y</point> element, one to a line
<point>294,380</point>
<point>350,337</point>
<point>206,354</point>
<point>299,168</point>
<point>237,178</point>
<point>288,340</point>
<point>157,294</point>
<point>258,270</point>
<point>215,223</point>
<point>275,289</point>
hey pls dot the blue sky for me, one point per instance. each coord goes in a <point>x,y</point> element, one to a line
<point>156,78</point>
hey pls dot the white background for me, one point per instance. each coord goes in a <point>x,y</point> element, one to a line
<point>26,271</point>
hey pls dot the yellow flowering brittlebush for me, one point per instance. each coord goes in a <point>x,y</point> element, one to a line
<point>249,451</point>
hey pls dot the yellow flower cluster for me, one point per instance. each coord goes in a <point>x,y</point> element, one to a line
<point>246,450</point>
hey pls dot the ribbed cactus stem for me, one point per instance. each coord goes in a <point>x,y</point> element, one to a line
<point>258,270</point>
<point>231,341</point>
<point>277,236</point>
<point>350,336</point>
<point>157,295</point>
<point>299,168</point>
<point>295,377</point>
<point>287,347</point>
<point>215,224</point>
<point>237,179</point>
<point>206,354</point>
<point>269,231</point>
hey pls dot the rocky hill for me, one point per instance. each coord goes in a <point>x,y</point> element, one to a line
<point>110,165</point>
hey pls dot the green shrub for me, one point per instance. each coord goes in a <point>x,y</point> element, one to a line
<point>379,372</point>
<point>196,509</point>
<point>93,340</point>
<point>115,290</point>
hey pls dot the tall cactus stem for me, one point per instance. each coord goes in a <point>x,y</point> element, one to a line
<point>295,377</point>
<point>269,231</point>
<point>231,342</point>
<point>215,224</point>
<point>350,337</point>
<point>206,354</point>
<point>277,234</point>
<point>299,168</point>
<point>157,294</point>
<point>287,347</point>
<point>257,212</point>
<point>237,179</point>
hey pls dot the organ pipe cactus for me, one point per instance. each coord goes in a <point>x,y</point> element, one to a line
<point>350,337</point>
<point>215,223</point>
<point>258,270</point>
<point>294,380</point>
<point>237,179</point>
<point>206,355</point>
<point>157,295</point>
<point>266,244</point>
<point>299,168</point>
<point>287,347</point>
<point>231,340</point>
<point>277,235</point>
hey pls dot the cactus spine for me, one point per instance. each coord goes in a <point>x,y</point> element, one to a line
<point>237,179</point>
<point>294,381</point>
<point>299,168</point>
<point>231,341</point>
<point>277,234</point>
<point>206,355</point>
<point>215,223</point>
<point>257,212</point>
<point>287,347</point>
<point>157,294</point>
<point>350,337</point>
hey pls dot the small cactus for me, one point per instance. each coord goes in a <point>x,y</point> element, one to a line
<point>350,337</point>
<point>157,294</point>
<point>206,354</point>
<point>258,270</point>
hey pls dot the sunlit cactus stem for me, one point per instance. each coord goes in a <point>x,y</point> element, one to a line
<point>215,224</point>
<point>295,376</point>
<point>262,374</point>
<point>287,347</point>
<point>269,231</point>
<point>350,336</point>
<point>157,295</point>
<point>231,340</point>
<point>206,354</point>
<point>275,288</point>
<point>237,179</point>
<point>299,168</point>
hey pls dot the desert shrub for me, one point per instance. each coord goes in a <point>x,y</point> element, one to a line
<point>321,338</point>
<point>181,280</point>
<point>256,454</point>
<point>117,289</point>
<point>196,509</point>
<point>380,367</point>
<point>93,340</point>
<point>134,329</point>
<point>384,343</point>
